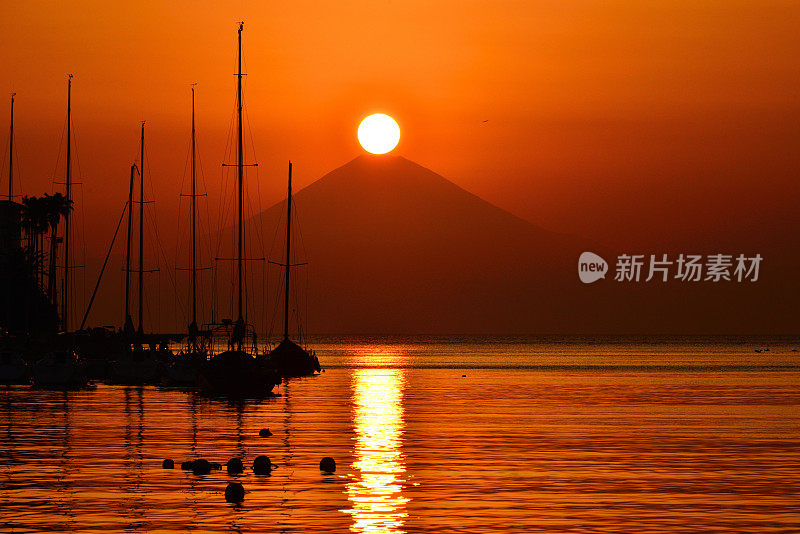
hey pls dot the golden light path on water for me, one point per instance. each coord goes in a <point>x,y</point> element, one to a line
<point>378,505</point>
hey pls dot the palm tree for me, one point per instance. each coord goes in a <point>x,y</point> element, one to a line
<point>35,223</point>
<point>55,206</point>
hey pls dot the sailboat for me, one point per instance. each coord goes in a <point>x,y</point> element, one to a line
<point>140,362</point>
<point>290,359</point>
<point>61,367</point>
<point>235,372</point>
<point>183,368</point>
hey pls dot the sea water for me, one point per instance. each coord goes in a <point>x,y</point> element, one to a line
<point>431,435</point>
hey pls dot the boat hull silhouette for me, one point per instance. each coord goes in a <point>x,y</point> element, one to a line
<point>137,367</point>
<point>290,360</point>
<point>13,369</point>
<point>60,369</point>
<point>236,373</point>
<point>183,369</point>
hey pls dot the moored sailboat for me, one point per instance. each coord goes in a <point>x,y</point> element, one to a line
<point>289,359</point>
<point>61,366</point>
<point>183,368</point>
<point>141,361</point>
<point>235,371</point>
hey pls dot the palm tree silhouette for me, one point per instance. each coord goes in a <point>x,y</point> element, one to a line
<point>55,207</point>
<point>40,214</point>
<point>34,221</point>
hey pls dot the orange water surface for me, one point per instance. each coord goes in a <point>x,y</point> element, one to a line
<point>431,435</point>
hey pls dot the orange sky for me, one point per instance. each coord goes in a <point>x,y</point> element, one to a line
<point>634,122</point>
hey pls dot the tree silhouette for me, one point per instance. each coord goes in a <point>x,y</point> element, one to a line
<point>55,207</point>
<point>35,224</point>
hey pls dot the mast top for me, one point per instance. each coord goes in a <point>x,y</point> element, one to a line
<point>241,25</point>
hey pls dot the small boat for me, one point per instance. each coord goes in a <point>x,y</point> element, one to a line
<point>235,372</point>
<point>60,369</point>
<point>13,369</point>
<point>289,359</point>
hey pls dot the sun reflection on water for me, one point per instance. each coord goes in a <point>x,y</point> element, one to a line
<point>376,494</point>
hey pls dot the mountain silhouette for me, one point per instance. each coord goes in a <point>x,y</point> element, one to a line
<point>394,248</point>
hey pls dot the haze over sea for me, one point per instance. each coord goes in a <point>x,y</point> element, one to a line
<point>432,435</point>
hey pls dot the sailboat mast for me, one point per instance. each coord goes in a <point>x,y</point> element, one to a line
<point>11,153</point>
<point>128,249</point>
<point>240,169</point>
<point>65,290</point>
<point>288,256</point>
<point>141,230</point>
<point>194,223</point>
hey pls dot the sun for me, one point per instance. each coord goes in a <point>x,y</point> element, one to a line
<point>378,133</point>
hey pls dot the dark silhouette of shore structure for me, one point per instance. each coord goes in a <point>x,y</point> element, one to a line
<point>30,306</point>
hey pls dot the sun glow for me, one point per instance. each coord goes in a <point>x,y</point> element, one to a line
<point>378,133</point>
<point>377,492</point>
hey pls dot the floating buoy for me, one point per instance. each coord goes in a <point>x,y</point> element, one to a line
<point>262,465</point>
<point>327,464</point>
<point>187,466</point>
<point>168,464</point>
<point>264,433</point>
<point>463,376</point>
<point>234,492</point>
<point>235,466</point>
<point>201,467</point>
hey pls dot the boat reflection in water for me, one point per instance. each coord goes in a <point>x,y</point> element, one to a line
<point>376,494</point>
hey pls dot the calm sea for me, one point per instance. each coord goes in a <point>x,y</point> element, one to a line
<point>431,435</point>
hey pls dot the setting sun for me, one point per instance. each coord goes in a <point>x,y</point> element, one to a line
<point>378,133</point>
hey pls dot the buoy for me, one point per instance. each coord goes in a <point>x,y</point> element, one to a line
<point>262,465</point>
<point>235,466</point>
<point>187,466</point>
<point>264,433</point>
<point>327,464</point>
<point>234,492</point>
<point>168,464</point>
<point>201,467</point>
